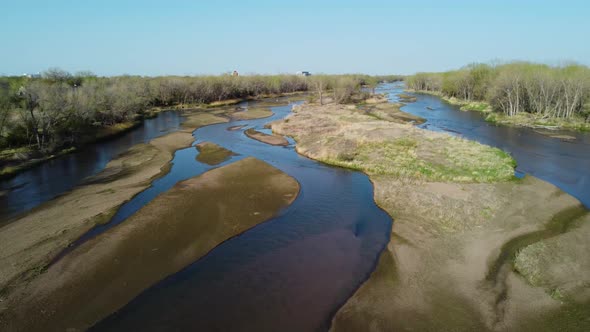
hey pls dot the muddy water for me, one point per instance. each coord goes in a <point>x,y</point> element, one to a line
<point>291,273</point>
<point>50,179</point>
<point>565,164</point>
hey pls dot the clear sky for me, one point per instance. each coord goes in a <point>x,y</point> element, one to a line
<point>112,37</point>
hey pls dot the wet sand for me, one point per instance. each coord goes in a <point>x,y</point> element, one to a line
<point>170,232</point>
<point>379,107</point>
<point>194,121</point>
<point>252,113</point>
<point>266,138</point>
<point>28,244</point>
<point>447,267</point>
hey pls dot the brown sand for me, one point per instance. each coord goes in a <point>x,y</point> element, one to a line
<point>265,138</point>
<point>29,243</point>
<point>252,113</point>
<point>170,232</point>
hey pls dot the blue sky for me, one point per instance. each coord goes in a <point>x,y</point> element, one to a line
<point>112,37</point>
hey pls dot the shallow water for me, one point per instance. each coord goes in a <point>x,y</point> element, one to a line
<point>565,164</point>
<point>55,177</point>
<point>289,274</point>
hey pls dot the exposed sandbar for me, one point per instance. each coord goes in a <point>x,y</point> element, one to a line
<point>172,231</point>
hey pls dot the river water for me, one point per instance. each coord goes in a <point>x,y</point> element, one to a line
<point>291,273</point>
<point>565,164</point>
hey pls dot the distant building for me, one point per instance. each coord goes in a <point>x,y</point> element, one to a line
<point>303,73</point>
<point>32,75</point>
<point>235,73</point>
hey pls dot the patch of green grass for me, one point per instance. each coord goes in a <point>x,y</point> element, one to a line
<point>529,120</point>
<point>406,142</point>
<point>7,153</point>
<point>457,161</point>
<point>212,154</point>
<point>487,212</point>
<point>8,170</point>
<point>526,262</point>
<point>477,107</point>
<point>557,294</point>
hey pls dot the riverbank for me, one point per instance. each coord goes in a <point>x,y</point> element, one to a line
<point>266,138</point>
<point>378,107</point>
<point>456,208</point>
<point>212,154</point>
<point>28,243</point>
<point>23,158</point>
<point>163,237</point>
<point>518,120</point>
<point>14,161</point>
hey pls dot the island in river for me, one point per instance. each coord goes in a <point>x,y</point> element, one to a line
<point>472,247</point>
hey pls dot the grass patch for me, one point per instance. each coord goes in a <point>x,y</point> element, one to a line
<point>225,102</point>
<point>212,154</point>
<point>529,120</point>
<point>477,107</point>
<point>113,130</point>
<point>10,153</point>
<point>406,98</point>
<point>455,160</point>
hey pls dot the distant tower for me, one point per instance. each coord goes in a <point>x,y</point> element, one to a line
<point>235,73</point>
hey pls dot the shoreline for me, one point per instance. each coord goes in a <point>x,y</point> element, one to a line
<point>114,131</point>
<point>78,290</point>
<point>273,139</point>
<point>436,223</point>
<point>108,133</point>
<point>520,120</point>
<point>124,175</point>
<point>88,204</point>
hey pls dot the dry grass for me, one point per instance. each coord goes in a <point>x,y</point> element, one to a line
<point>390,112</point>
<point>343,136</point>
<point>406,98</point>
<point>225,102</point>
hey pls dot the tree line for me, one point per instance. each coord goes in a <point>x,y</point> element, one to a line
<point>56,109</point>
<point>512,88</point>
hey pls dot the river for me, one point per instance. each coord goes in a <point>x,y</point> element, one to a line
<point>293,272</point>
<point>564,163</point>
